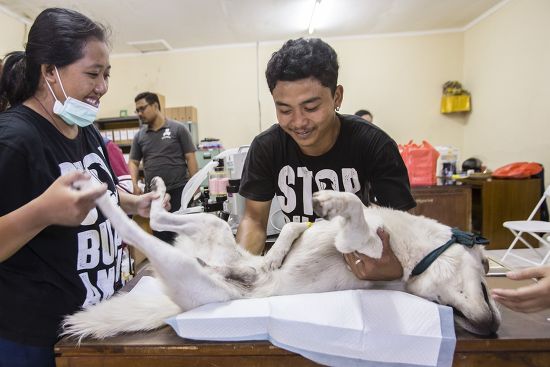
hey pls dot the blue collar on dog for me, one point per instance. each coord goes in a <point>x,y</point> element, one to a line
<point>458,236</point>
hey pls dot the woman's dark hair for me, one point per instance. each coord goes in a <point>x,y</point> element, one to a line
<point>58,37</point>
<point>303,58</point>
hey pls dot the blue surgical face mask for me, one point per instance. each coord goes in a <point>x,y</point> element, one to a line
<point>73,111</point>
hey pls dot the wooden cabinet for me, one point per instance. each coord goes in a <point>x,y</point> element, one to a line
<point>495,201</point>
<point>450,205</point>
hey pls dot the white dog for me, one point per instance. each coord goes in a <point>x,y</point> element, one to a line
<point>207,265</point>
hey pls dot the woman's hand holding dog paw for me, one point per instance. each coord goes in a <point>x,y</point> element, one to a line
<point>387,267</point>
<point>62,204</point>
<point>531,298</point>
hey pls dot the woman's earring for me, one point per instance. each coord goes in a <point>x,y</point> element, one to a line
<point>337,108</point>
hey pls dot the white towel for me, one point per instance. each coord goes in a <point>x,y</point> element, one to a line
<point>345,328</point>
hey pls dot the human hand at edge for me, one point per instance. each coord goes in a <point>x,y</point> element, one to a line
<point>531,298</point>
<point>387,267</point>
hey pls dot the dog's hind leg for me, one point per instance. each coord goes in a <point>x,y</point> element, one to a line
<point>160,219</point>
<point>192,225</point>
<point>188,283</point>
<point>355,233</point>
<point>275,256</point>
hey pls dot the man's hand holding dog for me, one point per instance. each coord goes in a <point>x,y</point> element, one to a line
<point>387,267</point>
<point>531,298</point>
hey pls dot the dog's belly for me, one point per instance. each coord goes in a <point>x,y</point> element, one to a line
<point>313,265</point>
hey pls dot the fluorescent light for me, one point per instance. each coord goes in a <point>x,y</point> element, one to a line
<point>151,46</point>
<point>311,27</point>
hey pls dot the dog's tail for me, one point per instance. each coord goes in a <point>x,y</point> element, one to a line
<point>125,312</point>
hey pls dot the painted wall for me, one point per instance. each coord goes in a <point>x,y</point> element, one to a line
<point>503,60</point>
<point>507,69</point>
<point>220,82</point>
<point>399,79</point>
<point>12,34</point>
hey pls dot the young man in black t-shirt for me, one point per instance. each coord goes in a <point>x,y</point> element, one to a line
<point>314,148</point>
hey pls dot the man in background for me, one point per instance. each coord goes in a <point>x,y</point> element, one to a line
<point>365,115</point>
<point>167,151</point>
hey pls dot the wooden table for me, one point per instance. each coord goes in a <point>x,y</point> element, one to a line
<point>523,340</point>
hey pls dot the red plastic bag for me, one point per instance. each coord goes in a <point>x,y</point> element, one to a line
<point>421,161</point>
<point>518,170</point>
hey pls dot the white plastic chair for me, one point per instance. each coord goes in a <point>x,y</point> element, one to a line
<point>534,228</point>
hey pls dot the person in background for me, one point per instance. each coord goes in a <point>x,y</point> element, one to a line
<point>315,148</point>
<point>58,253</point>
<point>167,151</point>
<point>121,171</point>
<point>119,165</point>
<point>365,115</point>
<point>531,298</point>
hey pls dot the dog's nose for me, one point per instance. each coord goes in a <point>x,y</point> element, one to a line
<point>489,322</point>
<point>485,263</point>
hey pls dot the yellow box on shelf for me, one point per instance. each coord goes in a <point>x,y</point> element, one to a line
<point>458,103</point>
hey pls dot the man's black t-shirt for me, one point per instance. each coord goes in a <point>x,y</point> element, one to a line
<point>362,155</point>
<point>62,268</point>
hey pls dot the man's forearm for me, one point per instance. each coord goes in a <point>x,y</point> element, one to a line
<point>192,164</point>
<point>251,235</point>
<point>133,167</point>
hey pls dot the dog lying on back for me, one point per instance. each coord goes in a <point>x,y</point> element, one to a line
<point>206,264</point>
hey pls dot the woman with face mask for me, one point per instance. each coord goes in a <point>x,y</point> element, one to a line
<point>58,253</point>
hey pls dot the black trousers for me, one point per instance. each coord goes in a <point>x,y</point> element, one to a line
<point>175,203</point>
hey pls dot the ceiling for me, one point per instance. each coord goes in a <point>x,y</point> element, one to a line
<point>198,23</point>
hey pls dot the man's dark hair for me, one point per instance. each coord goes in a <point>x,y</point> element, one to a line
<point>56,37</point>
<point>362,113</point>
<point>149,97</point>
<point>301,59</point>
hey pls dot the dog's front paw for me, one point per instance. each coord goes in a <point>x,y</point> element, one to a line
<point>295,229</point>
<point>158,186</point>
<point>329,204</point>
<point>275,256</point>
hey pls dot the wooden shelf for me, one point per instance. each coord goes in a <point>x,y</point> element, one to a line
<point>495,201</point>
<point>113,125</point>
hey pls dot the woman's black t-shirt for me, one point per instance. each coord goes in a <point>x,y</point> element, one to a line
<point>62,268</point>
